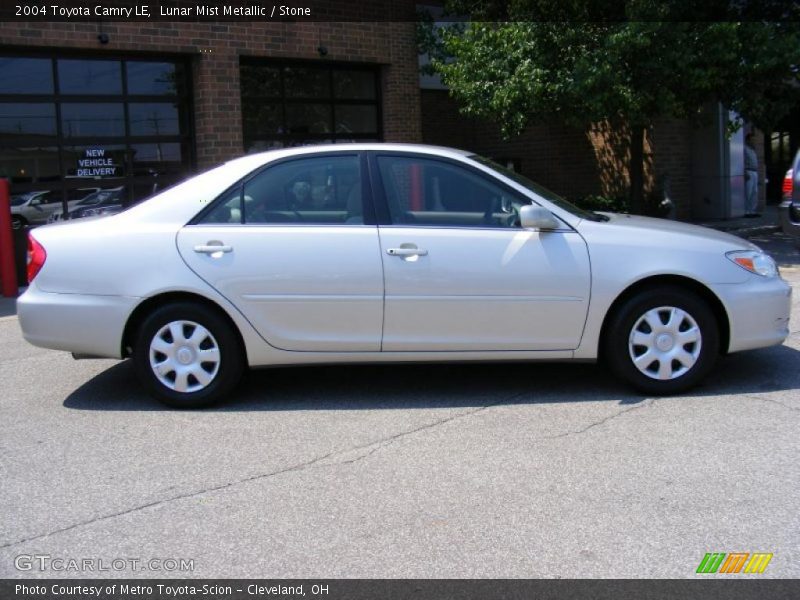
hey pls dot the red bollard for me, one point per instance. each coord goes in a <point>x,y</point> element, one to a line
<point>8,271</point>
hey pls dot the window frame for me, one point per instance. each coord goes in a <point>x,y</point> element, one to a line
<point>182,98</point>
<point>331,101</point>
<point>367,202</point>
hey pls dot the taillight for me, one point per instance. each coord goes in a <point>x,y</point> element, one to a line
<point>36,257</point>
<point>787,185</point>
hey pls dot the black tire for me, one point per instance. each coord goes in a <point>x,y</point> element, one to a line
<point>18,222</point>
<point>619,332</point>
<point>227,368</point>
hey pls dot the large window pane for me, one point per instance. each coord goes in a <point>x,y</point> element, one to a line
<point>153,78</point>
<point>261,118</point>
<point>29,164</point>
<point>158,152</point>
<point>253,146</point>
<point>256,80</point>
<point>26,76</point>
<point>295,105</point>
<point>27,119</point>
<point>356,119</point>
<point>95,77</point>
<point>153,118</point>
<point>93,146</point>
<point>354,85</point>
<point>92,119</point>
<point>307,82</point>
<point>308,118</point>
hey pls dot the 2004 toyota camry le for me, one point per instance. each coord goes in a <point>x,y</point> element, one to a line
<point>390,253</point>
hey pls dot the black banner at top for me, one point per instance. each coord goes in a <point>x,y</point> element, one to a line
<point>206,10</point>
<point>398,10</point>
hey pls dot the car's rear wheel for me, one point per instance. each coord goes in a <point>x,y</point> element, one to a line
<point>663,340</point>
<point>187,355</point>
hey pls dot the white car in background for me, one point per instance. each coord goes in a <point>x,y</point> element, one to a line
<point>36,208</point>
<point>391,253</point>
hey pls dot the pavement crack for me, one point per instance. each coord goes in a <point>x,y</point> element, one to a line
<point>375,446</point>
<point>602,421</point>
<point>388,441</point>
<point>773,401</point>
<point>215,488</point>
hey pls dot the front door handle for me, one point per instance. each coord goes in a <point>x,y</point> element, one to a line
<point>406,252</point>
<point>212,248</point>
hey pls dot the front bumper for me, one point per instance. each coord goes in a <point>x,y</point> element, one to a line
<point>758,312</point>
<point>83,324</point>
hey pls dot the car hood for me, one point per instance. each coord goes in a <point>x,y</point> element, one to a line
<point>647,227</point>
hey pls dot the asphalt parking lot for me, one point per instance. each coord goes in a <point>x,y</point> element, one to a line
<point>402,471</point>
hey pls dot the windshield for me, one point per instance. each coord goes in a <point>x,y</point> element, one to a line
<point>19,200</point>
<point>539,190</point>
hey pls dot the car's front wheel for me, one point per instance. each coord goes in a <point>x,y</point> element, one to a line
<point>663,340</point>
<point>187,356</point>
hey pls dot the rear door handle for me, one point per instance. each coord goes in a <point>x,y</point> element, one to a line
<point>406,252</point>
<point>212,248</point>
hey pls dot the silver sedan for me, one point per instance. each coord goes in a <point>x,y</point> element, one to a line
<point>391,253</point>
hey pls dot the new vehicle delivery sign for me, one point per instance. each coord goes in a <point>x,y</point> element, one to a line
<point>99,162</point>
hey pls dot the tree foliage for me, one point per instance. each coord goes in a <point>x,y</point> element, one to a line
<point>636,60</point>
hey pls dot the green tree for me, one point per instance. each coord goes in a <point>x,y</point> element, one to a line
<point>632,60</point>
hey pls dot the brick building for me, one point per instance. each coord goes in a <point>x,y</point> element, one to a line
<point>137,106</point>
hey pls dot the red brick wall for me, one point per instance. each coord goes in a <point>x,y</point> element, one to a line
<point>443,125</point>
<point>400,78</point>
<point>216,48</point>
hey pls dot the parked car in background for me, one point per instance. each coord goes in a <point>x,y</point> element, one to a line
<point>35,208</point>
<point>102,202</point>
<point>789,210</point>
<point>391,253</point>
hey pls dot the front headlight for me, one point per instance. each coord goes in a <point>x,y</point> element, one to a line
<point>754,261</point>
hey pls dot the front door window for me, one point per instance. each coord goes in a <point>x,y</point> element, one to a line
<point>431,193</point>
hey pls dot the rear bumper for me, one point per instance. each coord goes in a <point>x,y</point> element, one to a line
<point>758,312</point>
<point>75,322</point>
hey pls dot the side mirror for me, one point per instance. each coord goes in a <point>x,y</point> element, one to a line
<point>536,217</point>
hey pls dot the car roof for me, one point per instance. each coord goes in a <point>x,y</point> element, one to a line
<point>270,155</point>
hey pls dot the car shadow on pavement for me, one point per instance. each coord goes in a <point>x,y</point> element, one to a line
<point>406,386</point>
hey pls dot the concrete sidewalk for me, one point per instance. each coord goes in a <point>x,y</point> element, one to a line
<point>767,222</point>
